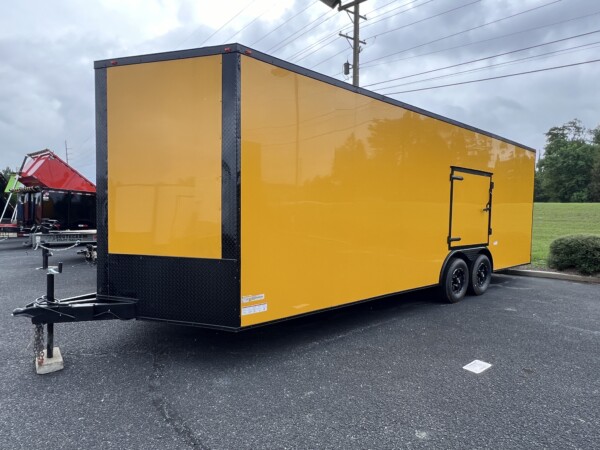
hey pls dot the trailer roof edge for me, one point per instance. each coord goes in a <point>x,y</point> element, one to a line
<point>241,49</point>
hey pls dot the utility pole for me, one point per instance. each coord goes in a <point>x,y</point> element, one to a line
<point>355,38</point>
<point>67,151</point>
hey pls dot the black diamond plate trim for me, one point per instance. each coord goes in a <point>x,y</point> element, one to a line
<point>193,290</point>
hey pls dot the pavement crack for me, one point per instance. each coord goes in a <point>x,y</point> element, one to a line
<point>166,409</point>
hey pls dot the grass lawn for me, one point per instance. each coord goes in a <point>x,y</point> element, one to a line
<point>552,220</point>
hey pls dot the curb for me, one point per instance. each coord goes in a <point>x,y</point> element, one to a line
<point>552,275</point>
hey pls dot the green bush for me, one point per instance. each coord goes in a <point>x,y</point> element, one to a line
<point>577,251</point>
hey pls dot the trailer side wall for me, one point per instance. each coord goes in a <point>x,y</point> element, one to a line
<point>345,197</point>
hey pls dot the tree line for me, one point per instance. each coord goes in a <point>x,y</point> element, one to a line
<point>569,171</point>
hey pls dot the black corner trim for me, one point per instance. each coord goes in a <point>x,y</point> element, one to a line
<point>102,181</point>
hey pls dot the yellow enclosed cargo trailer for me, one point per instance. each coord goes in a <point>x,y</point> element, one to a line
<point>236,189</point>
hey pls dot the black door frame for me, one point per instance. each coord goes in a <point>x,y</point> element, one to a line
<point>454,177</point>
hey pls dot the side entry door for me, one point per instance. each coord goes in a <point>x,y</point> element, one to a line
<point>470,207</point>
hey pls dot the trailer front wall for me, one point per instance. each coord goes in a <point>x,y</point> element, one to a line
<point>346,198</point>
<point>164,158</point>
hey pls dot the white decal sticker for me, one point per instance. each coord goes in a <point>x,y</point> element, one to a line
<point>252,298</point>
<point>477,366</point>
<point>254,309</point>
<point>495,242</point>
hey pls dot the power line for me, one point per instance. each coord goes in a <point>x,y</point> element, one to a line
<point>286,21</point>
<point>464,31</point>
<point>482,40</point>
<point>228,22</point>
<point>393,15</point>
<point>393,9</point>
<point>514,61</point>
<point>329,36</point>
<point>405,26</point>
<point>323,41</point>
<point>217,30</point>
<point>387,4</point>
<point>497,77</point>
<point>251,22</point>
<point>322,38</point>
<point>483,58</point>
<point>373,22</point>
<point>301,32</point>
<point>423,20</point>
<point>91,135</point>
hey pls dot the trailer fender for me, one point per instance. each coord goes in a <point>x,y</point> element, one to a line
<point>468,255</point>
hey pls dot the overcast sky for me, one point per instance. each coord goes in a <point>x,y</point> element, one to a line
<point>47,51</point>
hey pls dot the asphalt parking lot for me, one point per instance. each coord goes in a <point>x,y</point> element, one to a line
<point>386,374</point>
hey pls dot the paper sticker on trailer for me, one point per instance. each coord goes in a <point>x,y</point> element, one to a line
<point>254,309</point>
<point>252,298</point>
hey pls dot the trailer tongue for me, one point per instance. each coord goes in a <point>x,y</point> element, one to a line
<point>48,310</point>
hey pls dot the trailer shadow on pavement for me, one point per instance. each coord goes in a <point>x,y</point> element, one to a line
<point>383,374</point>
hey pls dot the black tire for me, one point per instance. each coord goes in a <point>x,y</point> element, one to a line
<point>481,275</point>
<point>455,281</point>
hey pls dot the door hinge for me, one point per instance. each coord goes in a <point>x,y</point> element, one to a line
<point>491,185</point>
<point>453,239</point>
<point>456,177</point>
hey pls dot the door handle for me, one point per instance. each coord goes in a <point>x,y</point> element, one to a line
<point>487,209</point>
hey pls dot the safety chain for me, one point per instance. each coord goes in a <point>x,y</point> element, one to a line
<point>38,245</point>
<point>38,343</point>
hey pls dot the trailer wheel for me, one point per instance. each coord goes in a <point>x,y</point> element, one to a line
<point>455,281</point>
<point>481,275</point>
